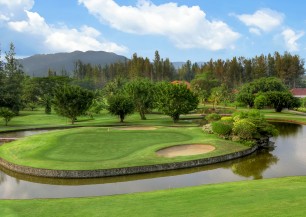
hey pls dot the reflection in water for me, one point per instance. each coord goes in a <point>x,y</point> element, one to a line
<point>287,159</point>
<point>287,129</point>
<point>255,165</point>
<point>19,134</point>
<point>2,177</point>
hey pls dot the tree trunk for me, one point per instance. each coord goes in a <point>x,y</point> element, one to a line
<point>176,118</point>
<point>121,118</point>
<point>142,115</point>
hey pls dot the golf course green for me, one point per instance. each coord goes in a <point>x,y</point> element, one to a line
<point>90,148</point>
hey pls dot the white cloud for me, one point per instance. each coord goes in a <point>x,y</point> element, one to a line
<point>186,26</point>
<point>54,39</point>
<point>290,38</point>
<point>14,9</point>
<point>255,31</point>
<point>264,20</point>
<point>63,38</point>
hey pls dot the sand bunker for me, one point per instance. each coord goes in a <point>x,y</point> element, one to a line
<point>135,128</point>
<point>185,150</point>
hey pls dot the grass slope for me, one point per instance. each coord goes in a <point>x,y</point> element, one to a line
<point>269,197</point>
<point>100,148</point>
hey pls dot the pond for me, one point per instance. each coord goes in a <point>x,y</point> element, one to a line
<point>288,158</point>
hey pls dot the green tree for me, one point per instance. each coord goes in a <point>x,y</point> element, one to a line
<point>216,96</point>
<point>72,101</point>
<point>11,79</point>
<point>31,93</point>
<point>141,92</point>
<point>121,105</point>
<point>203,84</point>
<point>6,114</point>
<point>175,99</point>
<point>248,91</point>
<point>282,99</point>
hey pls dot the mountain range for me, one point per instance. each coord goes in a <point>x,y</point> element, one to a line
<point>39,65</point>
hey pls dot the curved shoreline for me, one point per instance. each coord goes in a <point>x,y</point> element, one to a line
<point>122,171</point>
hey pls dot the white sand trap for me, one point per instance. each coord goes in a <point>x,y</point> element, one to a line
<point>135,128</point>
<point>185,150</point>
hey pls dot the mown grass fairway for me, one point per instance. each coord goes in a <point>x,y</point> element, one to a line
<point>269,197</point>
<point>101,148</point>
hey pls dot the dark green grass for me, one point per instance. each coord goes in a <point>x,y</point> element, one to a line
<point>269,197</point>
<point>90,148</point>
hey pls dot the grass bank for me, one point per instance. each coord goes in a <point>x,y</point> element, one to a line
<point>90,148</point>
<point>38,119</point>
<point>269,197</point>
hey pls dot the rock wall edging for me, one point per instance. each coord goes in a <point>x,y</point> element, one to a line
<point>123,171</point>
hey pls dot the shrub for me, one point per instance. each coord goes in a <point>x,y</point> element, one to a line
<point>226,119</point>
<point>301,109</point>
<point>244,129</point>
<point>222,128</point>
<point>7,114</point>
<point>213,117</point>
<point>207,128</point>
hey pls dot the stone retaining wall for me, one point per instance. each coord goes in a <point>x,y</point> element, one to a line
<point>123,171</point>
<point>7,139</point>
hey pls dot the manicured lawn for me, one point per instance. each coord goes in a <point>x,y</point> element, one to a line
<point>38,119</point>
<point>269,197</point>
<point>102,148</point>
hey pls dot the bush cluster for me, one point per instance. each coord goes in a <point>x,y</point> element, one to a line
<point>245,126</point>
<point>222,128</point>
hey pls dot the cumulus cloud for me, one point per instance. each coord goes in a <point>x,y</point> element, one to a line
<point>55,39</point>
<point>186,26</point>
<point>290,38</point>
<point>14,9</point>
<point>263,20</point>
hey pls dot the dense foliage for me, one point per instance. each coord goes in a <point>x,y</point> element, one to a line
<point>141,92</point>
<point>11,78</point>
<point>175,99</point>
<point>6,114</point>
<point>246,127</point>
<point>72,101</point>
<point>120,104</point>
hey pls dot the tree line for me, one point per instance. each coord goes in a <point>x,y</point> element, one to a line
<point>96,76</point>
<point>137,79</point>
<point>239,70</point>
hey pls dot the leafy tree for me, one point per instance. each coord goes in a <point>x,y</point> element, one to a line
<point>31,93</point>
<point>175,99</point>
<point>141,92</point>
<point>216,96</point>
<point>6,114</point>
<point>120,104</point>
<point>72,101</point>
<point>114,86</point>
<point>248,91</point>
<point>98,104</point>
<point>282,99</point>
<point>203,84</point>
<point>11,78</point>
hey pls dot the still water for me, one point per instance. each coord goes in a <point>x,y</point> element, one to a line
<point>288,158</point>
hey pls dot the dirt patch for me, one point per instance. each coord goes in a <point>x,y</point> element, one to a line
<point>185,150</point>
<point>135,128</point>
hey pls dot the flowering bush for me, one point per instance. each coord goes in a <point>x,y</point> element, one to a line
<point>244,129</point>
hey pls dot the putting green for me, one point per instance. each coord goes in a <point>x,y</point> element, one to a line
<point>103,148</point>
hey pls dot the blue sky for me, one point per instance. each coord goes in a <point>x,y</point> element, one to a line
<point>195,30</point>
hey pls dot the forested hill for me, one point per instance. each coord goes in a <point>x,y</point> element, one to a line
<point>39,65</point>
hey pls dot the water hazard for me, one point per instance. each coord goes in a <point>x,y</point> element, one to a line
<point>288,158</point>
